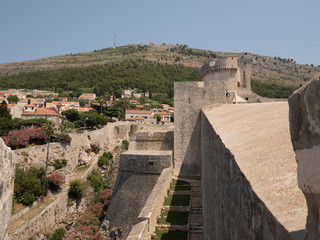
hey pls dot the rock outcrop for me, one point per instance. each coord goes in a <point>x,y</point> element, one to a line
<point>304,118</point>
<point>7,168</point>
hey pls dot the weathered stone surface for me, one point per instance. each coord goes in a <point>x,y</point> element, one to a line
<point>305,136</point>
<point>150,161</point>
<point>151,141</point>
<point>7,170</point>
<point>139,174</point>
<point>248,173</point>
<point>189,97</point>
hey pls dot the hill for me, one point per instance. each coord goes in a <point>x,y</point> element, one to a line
<point>167,62</point>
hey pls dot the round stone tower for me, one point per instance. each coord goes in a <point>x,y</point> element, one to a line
<point>227,71</point>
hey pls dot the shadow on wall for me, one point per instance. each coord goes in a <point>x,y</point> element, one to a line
<point>231,209</point>
<point>190,165</point>
<point>167,143</point>
<point>130,194</point>
<point>299,235</point>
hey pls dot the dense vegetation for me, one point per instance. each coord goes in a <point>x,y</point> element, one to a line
<point>272,90</point>
<point>112,77</point>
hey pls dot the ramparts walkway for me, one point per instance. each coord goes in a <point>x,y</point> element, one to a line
<point>258,136</point>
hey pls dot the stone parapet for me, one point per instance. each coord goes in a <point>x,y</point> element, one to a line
<point>305,136</point>
<point>7,172</point>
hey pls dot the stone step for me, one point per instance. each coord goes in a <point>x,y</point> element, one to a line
<point>194,227</point>
<point>180,192</point>
<point>176,208</point>
<point>172,227</point>
<point>196,211</point>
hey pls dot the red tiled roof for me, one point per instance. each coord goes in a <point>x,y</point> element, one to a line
<point>138,111</point>
<point>43,111</point>
<point>163,113</point>
<point>29,105</point>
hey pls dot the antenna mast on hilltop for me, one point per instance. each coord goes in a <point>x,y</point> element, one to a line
<point>114,40</point>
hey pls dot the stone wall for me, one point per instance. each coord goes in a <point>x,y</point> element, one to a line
<point>151,141</point>
<point>7,171</point>
<point>305,136</point>
<point>231,209</point>
<point>78,151</point>
<point>189,97</point>
<point>135,183</point>
<point>152,208</point>
<point>55,213</point>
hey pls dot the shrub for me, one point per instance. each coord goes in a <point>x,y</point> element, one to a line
<point>57,234</point>
<point>63,138</point>
<point>125,145</point>
<point>84,233</point>
<point>105,158</point>
<point>92,215</point>
<point>58,164</point>
<point>105,195</point>
<point>20,138</point>
<point>103,161</point>
<point>29,180</point>
<point>56,180</point>
<point>68,126</point>
<point>96,180</point>
<point>28,198</point>
<point>76,189</point>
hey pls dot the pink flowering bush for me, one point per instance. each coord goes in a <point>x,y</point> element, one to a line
<point>92,215</point>
<point>63,138</point>
<point>20,138</point>
<point>84,233</point>
<point>56,180</point>
<point>105,195</point>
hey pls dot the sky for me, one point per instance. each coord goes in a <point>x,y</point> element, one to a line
<point>36,29</point>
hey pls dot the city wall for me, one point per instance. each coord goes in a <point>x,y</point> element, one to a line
<point>151,141</point>
<point>78,151</point>
<point>55,213</point>
<point>7,171</point>
<point>231,209</point>
<point>142,175</point>
<point>189,97</point>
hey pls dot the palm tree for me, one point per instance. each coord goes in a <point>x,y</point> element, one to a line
<point>49,128</point>
<point>101,100</point>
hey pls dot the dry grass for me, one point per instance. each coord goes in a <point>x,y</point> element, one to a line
<point>22,220</point>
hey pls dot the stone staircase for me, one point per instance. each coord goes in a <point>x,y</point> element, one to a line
<point>195,217</point>
<point>195,225</point>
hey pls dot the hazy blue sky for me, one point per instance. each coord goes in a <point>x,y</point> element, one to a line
<point>32,29</point>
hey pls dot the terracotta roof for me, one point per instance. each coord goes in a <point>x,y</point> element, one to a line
<point>163,113</point>
<point>43,111</point>
<point>138,111</point>
<point>29,105</point>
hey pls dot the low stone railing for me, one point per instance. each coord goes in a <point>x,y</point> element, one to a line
<point>152,208</point>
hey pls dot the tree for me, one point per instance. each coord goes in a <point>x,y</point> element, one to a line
<point>12,99</point>
<point>49,128</point>
<point>112,111</point>
<point>4,111</point>
<point>101,100</point>
<point>72,115</point>
<point>82,102</point>
<point>172,117</point>
<point>158,117</point>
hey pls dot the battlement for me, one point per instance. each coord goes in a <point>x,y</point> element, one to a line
<point>228,64</point>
